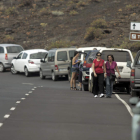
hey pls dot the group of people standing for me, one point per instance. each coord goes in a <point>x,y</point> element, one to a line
<point>101,71</point>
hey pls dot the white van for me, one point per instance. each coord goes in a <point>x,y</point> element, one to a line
<point>121,56</point>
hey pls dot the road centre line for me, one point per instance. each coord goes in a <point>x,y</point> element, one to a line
<point>30,91</point>
<point>18,102</point>
<point>6,116</point>
<point>27,94</point>
<point>13,108</point>
<point>126,105</point>
<point>27,83</point>
<point>1,124</point>
<point>23,98</point>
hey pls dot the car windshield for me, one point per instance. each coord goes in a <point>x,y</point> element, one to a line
<point>119,56</point>
<point>39,55</point>
<point>14,49</point>
<point>91,56</point>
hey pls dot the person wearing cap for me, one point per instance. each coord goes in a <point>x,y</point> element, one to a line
<point>98,67</point>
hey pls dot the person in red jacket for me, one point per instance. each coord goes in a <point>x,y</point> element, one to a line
<point>98,67</point>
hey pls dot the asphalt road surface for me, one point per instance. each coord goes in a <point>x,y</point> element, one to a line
<point>47,110</point>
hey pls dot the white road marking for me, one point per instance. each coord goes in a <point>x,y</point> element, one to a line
<point>23,98</point>
<point>13,108</point>
<point>1,124</point>
<point>18,102</point>
<point>126,105</point>
<point>33,89</point>
<point>6,116</point>
<point>27,83</point>
<point>27,94</point>
<point>30,92</point>
<point>41,86</point>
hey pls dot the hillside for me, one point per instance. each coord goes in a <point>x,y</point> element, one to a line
<point>59,23</point>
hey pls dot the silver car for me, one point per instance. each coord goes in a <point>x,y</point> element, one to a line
<point>7,52</point>
<point>56,63</point>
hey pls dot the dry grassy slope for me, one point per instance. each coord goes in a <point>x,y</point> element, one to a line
<point>25,25</point>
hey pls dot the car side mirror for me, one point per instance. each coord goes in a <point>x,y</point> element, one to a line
<point>129,64</point>
<point>136,110</point>
<point>14,58</point>
<point>134,100</point>
<point>42,61</point>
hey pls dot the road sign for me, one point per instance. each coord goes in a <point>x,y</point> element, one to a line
<point>135,26</point>
<point>134,36</point>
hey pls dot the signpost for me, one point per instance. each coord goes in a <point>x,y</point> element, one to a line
<point>135,26</point>
<point>134,36</point>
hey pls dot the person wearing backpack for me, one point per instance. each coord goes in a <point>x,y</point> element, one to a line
<point>98,67</point>
<point>110,76</point>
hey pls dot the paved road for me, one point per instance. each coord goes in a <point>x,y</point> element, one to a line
<point>54,112</point>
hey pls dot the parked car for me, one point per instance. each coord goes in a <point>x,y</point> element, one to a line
<point>56,63</point>
<point>7,52</point>
<point>121,56</point>
<point>135,75</point>
<point>136,118</point>
<point>28,61</point>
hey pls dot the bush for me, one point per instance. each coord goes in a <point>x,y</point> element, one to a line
<point>99,23</point>
<point>11,11</point>
<point>92,33</point>
<point>129,7</point>
<point>81,3</point>
<point>73,13</point>
<point>57,13</point>
<point>61,44</point>
<point>23,3</point>
<point>43,24</point>
<point>8,39</point>
<point>45,11</point>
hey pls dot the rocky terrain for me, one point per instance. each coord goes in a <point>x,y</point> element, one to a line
<point>63,23</point>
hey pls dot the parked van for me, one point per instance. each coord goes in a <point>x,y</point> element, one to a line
<point>56,63</point>
<point>7,52</point>
<point>121,56</point>
<point>135,75</point>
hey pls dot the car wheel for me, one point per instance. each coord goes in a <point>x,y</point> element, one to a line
<point>85,87</point>
<point>89,85</point>
<point>2,69</point>
<point>133,94</point>
<point>41,75</point>
<point>13,71</point>
<point>54,77</point>
<point>27,73</point>
<point>69,76</point>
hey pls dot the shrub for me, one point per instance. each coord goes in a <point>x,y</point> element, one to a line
<point>81,3</point>
<point>61,44</point>
<point>92,33</point>
<point>11,11</point>
<point>43,24</point>
<point>99,23</point>
<point>23,3</point>
<point>57,13</point>
<point>45,11</point>
<point>8,39</point>
<point>73,13</point>
<point>129,7</point>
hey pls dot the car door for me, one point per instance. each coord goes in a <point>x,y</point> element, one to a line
<point>23,61</point>
<point>137,69</point>
<point>2,55</point>
<point>43,65</point>
<point>17,63</point>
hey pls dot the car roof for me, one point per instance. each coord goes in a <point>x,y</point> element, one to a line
<point>35,50</point>
<point>6,45</point>
<point>57,49</point>
<point>90,48</point>
<point>119,49</point>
